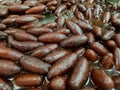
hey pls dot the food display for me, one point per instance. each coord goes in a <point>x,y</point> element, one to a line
<point>59,45</point>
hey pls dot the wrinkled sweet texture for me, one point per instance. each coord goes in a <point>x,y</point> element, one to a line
<point>59,44</point>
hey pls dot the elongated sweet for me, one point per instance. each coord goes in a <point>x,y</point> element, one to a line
<point>8,68</point>
<point>79,74</point>
<point>42,51</point>
<point>99,48</point>
<point>55,55</point>
<point>74,41</point>
<point>59,44</point>
<point>101,79</point>
<point>36,9</point>
<point>18,8</point>
<point>24,46</point>
<point>22,36</point>
<point>39,31</point>
<point>10,54</point>
<point>62,65</point>
<point>34,65</point>
<point>75,29</point>
<point>52,37</point>
<point>28,80</point>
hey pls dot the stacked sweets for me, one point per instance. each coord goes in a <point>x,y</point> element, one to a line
<point>59,45</point>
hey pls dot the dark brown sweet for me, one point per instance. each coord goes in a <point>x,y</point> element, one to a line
<point>39,31</point>
<point>108,61</point>
<point>64,31</point>
<point>42,51</point>
<point>25,19</point>
<point>60,21</point>
<point>36,9</point>
<point>83,25</point>
<point>91,55</point>
<point>63,65</point>
<point>97,31</point>
<point>8,68</point>
<point>58,83</point>
<point>74,41</point>
<point>79,74</point>
<point>101,79</point>
<point>60,9</point>
<point>75,29</point>
<point>22,36</point>
<point>28,80</point>
<point>55,55</point>
<point>18,8</point>
<point>59,44</point>
<point>10,54</point>
<point>99,48</point>
<point>52,37</point>
<point>34,65</point>
<point>24,46</point>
